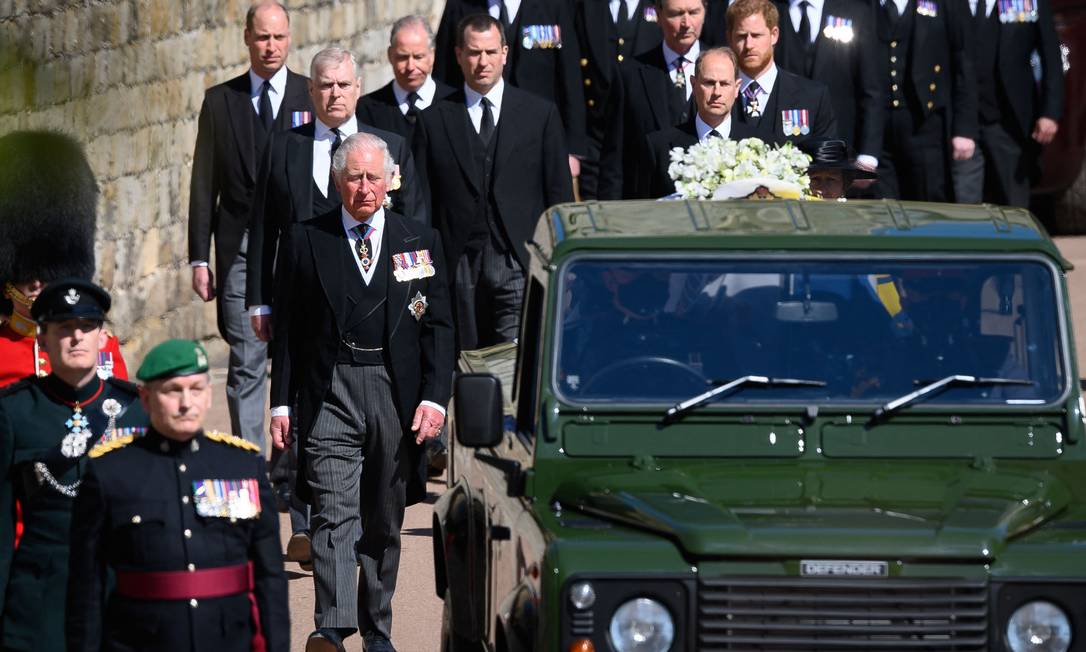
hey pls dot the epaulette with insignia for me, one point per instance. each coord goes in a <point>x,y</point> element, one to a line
<point>224,438</point>
<point>17,385</point>
<point>116,438</point>
<point>126,385</point>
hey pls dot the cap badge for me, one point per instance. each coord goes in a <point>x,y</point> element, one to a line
<point>72,297</point>
<point>201,359</point>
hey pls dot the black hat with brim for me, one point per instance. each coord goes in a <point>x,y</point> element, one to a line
<point>71,298</point>
<point>833,154</point>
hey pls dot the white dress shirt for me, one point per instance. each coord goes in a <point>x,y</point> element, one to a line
<point>377,221</point>
<point>989,5</point>
<point>702,128</point>
<point>766,82</point>
<point>511,8</point>
<point>670,56</point>
<point>631,9</point>
<point>475,109</point>
<point>277,89</point>
<point>901,4</point>
<point>814,14</point>
<point>322,149</point>
<point>426,95</point>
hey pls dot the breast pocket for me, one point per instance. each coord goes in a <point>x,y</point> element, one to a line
<point>140,532</point>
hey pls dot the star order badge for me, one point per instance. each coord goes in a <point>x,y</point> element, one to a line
<point>417,306</point>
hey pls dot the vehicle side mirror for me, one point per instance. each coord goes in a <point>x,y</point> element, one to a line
<point>477,399</point>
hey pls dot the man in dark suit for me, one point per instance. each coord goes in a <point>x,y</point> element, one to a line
<point>395,106</point>
<point>543,57</point>
<point>364,349</point>
<point>1016,117</point>
<point>235,122</point>
<point>716,86</point>
<point>924,51</point>
<point>608,32</point>
<point>654,93</point>
<point>495,159</point>
<point>294,182</point>
<point>776,105</point>
<point>831,41</point>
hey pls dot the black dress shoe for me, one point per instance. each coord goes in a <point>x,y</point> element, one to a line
<point>375,642</point>
<point>324,640</point>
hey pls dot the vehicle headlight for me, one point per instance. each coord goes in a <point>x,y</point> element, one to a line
<point>642,625</point>
<point>1038,626</point>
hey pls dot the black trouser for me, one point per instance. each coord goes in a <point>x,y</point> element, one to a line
<point>489,290</point>
<point>913,163</point>
<point>998,172</point>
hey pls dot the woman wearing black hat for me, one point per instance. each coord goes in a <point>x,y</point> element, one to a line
<point>832,171</point>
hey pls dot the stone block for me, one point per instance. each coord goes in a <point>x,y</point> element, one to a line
<point>81,79</point>
<point>106,262</point>
<point>44,86</point>
<point>147,254</point>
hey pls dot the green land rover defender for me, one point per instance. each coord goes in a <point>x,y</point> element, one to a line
<point>772,425</point>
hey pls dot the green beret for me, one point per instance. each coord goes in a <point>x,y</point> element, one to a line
<point>173,358</point>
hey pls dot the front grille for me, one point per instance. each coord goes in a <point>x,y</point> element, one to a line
<point>793,613</point>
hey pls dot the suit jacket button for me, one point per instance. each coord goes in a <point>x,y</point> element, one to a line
<point>620,57</point>
<point>188,533</point>
<point>136,519</point>
<point>584,63</point>
<point>937,68</point>
<point>931,105</point>
<point>588,82</point>
<point>893,87</point>
<point>621,41</point>
<point>893,59</point>
<point>193,603</point>
<point>893,73</point>
<point>897,103</point>
<point>591,102</point>
<point>893,44</point>
<point>931,87</point>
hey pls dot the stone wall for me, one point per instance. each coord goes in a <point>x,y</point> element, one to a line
<point>127,78</point>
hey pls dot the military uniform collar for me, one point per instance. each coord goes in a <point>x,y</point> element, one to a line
<point>62,391</point>
<point>164,444</point>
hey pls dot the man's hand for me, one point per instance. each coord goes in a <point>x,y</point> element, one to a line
<point>203,282</point>
<point>574,166</point>
<point>427,423</point>
<point>1045,130</point>
<point>262,327</point>
<point>280,432</point>
<point>963,148</point>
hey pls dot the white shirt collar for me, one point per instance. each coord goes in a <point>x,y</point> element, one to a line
<point>278,82</point>
<point>511,8</point>
<point>766,81</point>
<point>426,93</point>
<point>377,221</point>
<point>631,8</point>
<point>691,56</point>
<point>495,95</point>
<point>703,129</point>
<point>324,132</point>
<point>814,13</point>
<point>901,5</point>
<point>987,7</point>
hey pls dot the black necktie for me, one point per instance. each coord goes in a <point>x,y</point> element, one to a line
<point>503,15</point>
<point>713,133</point>
<point>486,124</point>
<point>891,11</point>
<point>623,14</point>
<point>265,106</point>
<point>333,192</point>
<point>804,25</point>
<point>412,107</point>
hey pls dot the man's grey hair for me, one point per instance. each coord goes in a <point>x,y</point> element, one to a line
<point>332,56</point>
<point>406,22</point>
<point>357,142</point>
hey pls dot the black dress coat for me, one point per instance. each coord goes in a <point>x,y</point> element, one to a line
<point>225,166</point>
<point>309,289</point>
<point>847,67</point>
<point>654,181</point>
<point>790,92</point>
<point>552,73</point>
<point>284,196</point>
<point>531,172</point>
<point>136,512</point>
<point>380,109</point>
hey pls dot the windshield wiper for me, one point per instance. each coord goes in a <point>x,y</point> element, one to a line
<point>680,409</point>
<point>935,387</point>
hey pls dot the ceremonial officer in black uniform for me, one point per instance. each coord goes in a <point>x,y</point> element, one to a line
<point>1017,116</point>
<point>932,96</point>
<point>47,425</point>
<point>185,521</point>
<point>609,32</point>
<point>395,106</point>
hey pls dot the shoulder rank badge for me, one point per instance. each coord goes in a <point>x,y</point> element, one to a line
<point>649,14</point>
<point>231,440</point>
<point>299,118</point>
<point>417,306</point>
<point>227,498</point>
<point>543,37</point>
<point>795,122</point>
<point>838,29</point>
<point>927,8</point>
<point>412,265</point>
<point>1017,11</point>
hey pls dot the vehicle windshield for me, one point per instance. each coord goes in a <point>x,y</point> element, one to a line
<point>661,330</point>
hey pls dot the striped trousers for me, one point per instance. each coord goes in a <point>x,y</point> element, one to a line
<point>356,462</point>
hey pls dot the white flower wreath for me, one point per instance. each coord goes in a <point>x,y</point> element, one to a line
<point>711,168</point>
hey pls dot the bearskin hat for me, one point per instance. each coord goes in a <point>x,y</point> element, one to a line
<point>48,209</point>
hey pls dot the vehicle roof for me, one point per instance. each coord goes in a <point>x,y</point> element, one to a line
<point>882,225</point>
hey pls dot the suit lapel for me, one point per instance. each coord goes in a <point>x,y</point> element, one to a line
<point>597,19</point>
<point>506,132</point>
<point>457,124</point>
<point>240,107</point>
<point>397,240</point>
<point>300,169</point>
<point>659,103</point>
<point>822,44</point>
<point>326,244</point>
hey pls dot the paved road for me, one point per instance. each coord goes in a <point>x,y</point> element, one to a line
<point>417,610</point>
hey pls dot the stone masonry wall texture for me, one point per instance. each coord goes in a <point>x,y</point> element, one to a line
<point>127,77</point>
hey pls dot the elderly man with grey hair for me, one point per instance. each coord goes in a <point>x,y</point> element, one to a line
<point>395,106</point>
<point>364,355</point>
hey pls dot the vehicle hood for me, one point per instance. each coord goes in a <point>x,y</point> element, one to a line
<point>720,509</point>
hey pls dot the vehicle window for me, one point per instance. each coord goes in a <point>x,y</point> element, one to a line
<point>524,385</point>
<point>662,330</point>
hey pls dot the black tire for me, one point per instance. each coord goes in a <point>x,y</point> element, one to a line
<point>450,641</point>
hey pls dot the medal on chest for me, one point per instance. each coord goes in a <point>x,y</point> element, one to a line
<point>74,443</point>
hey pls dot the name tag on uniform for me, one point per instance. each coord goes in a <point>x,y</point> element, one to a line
<point>1017,11</point>
<point>795,122</point>
<point>299,118</point>
<point>542,37</point>
<point>227,498</point>
<point>838,29</point>
<point>649,14</point>
<point>927,8</point>
<point>411,265</point>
